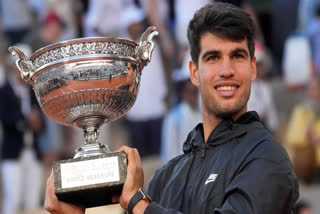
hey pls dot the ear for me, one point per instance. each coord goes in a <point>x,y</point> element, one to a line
<point>254,69</point>
<point>194,74</point>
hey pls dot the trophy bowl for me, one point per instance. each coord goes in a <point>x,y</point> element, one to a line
<point>84,83</point>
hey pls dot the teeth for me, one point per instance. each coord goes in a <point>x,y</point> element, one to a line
<point>226,88</point>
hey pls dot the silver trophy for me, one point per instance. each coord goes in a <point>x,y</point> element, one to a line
<point>84,83</point>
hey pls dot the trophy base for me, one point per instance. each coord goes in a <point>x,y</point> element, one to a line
<point>90,181</point>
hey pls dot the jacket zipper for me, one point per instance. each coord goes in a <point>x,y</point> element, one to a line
<point>203,153</point>
<point>203,150</point>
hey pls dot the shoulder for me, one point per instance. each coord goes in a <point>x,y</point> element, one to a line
<point>255,133</point>
<point>258,143</point>
<point>271,150</point>
<point>262,155</point>
<point>263,143</point>
<point>263,148</point>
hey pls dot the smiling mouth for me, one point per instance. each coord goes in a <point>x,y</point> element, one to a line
<point>226,88</point>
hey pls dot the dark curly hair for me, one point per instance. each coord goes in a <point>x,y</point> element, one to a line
<point>223,20</point>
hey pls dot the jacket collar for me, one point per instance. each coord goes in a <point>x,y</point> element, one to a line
<point>226,130</point>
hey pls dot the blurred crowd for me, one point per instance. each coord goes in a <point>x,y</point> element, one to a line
<point>286,93</point>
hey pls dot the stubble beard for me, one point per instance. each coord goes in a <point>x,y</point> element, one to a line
<point>219,111</point>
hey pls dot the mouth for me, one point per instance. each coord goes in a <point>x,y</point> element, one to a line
<point>227,88</point>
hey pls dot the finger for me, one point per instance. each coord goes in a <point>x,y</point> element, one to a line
<point>135,171</point>
<point>138,165</point>
<point>50,198</point>
<point>124,149</point>
<point>132,154</point>
<point>137,156</point>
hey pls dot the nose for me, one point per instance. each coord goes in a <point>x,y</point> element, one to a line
<point>226,70</point>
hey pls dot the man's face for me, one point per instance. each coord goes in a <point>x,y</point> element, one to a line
<point>224,74</point>
<point>130,74</point>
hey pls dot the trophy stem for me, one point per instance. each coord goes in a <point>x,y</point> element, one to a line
<point>91,135</point>
<point>92,145</point>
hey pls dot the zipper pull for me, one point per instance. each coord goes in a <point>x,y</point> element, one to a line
<point>203,150</point>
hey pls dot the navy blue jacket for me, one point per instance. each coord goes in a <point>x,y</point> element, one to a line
<point>239,170</point>
<point>14,123</point>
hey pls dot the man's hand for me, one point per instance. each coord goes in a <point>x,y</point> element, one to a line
<point>135,177</point>
<point>54,206</point>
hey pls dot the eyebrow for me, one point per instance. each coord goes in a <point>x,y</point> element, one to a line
<point>210,52</point>
<point>217,52</point>
<point>240,50</point>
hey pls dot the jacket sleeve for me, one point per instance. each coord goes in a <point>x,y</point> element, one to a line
<point>262,187</point>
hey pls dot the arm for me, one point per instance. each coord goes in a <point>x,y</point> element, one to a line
<point>135,179</point>
<point>262,187</point>
<point>134,182</point>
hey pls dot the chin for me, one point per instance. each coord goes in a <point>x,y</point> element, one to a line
<point>229,111</point>
<point>227,114</point>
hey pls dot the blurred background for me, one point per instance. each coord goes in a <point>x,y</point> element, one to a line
<point>286,93</point>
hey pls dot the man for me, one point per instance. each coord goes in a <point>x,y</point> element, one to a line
<point>230,163</point>
<point>22,123</point>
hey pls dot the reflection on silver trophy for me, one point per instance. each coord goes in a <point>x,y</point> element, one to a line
<point>85,83</point>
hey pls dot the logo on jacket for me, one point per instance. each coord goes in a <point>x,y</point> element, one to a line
<point>211,178</point>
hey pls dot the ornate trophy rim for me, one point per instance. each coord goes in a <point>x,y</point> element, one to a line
<point>80,41</point>
<point>82,49</point>
<point>84,64</point>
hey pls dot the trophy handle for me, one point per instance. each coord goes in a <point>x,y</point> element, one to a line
<point>146,46</point>
<point>24,65</point>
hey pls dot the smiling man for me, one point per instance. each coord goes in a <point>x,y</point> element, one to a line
<point>231,164</point>
<point>223,70</point>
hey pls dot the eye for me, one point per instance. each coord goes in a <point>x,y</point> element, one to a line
<point>212,57</point>
<point>239,55</point>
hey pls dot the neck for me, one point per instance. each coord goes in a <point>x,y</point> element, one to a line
<point>210,121</point>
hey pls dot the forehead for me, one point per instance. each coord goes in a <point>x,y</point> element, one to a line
<point>209,41</point>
